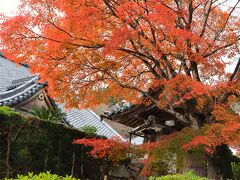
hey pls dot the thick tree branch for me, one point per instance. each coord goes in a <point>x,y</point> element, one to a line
<point>141,57</point>
<point>169,66</point>
<point>224,97</point>
<point>185,67</point>
<point>206,16</point>
<point>194,69</point>
<point>110,7</point>
<point>236,71</point>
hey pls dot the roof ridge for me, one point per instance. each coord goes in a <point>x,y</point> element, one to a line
<point>22,87</point>
<point>21,96</point>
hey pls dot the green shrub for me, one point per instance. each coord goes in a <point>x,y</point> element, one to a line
<point>89,129</point>
<point>8,112</point>
<point>28,144</point>
<point>47,114</point>
<point>236,170</point>
<point>42,176</point>
<point>187,176</point>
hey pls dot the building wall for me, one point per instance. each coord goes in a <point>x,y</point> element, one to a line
<point>38,100</point>
<point>201,166</point>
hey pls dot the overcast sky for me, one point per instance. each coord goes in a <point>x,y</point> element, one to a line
<point>8,6</point>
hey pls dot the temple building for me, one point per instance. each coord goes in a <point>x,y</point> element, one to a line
<point>21,90</point>
<point>150,123</point>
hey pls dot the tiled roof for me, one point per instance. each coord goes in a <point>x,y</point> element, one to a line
<point>20,93</point>
<point>119,108</point>
<point>16,83</point>
<point>85,117</point>
<point>9,71</point>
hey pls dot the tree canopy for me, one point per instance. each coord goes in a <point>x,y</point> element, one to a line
<point>89,50</point>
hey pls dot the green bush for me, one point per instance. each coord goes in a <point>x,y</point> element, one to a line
<point>236,170</point>
<point>89,129</point>
<point>42,176</point>
<point>48,114</point>
<point>28,144</point>
<point>187,176</point>
<point>6,111</point>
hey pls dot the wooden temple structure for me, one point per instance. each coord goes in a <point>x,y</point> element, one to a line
<point>148,122</point>
<point>151,123</point>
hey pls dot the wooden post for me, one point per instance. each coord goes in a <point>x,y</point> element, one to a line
<point>130,139</point>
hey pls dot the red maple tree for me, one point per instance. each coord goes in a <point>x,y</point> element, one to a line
<point>89,50</point>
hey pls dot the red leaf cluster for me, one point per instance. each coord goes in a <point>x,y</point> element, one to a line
<point>114,150</point>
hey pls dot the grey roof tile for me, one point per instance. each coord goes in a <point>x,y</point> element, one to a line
<point>20,93</point>
<point>9,71</point>
<point>84,117</point>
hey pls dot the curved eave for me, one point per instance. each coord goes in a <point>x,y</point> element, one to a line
<point>129,117</point>
<point>139,114</point>
<point>20,94</point>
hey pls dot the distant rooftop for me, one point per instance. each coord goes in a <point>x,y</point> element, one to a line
<point>85,117</point>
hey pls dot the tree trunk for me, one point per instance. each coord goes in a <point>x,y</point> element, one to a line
<point>9,140</point>
<point>81,163</point>
<point>59,156</point>
<point>222,160</point>
<point>73,165</point>
<point>194,122</point>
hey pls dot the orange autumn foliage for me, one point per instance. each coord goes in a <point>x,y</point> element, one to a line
<point>88,50</point>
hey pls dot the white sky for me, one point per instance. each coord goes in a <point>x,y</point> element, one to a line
<point>8,6</point>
